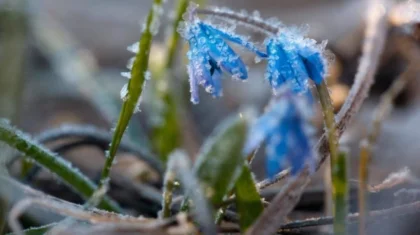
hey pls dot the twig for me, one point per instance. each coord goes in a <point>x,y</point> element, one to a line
<point>381,112</point>
<point>377,215</point>
<point>55,204</point>
<point>280,206</point>
<point>243,18</point>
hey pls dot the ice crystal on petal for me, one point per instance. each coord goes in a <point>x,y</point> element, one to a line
<point>295,59</point>
<point>209,55</point>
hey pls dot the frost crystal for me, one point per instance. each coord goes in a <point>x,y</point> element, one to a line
<point>124,92</point>
<point>157,11</point>
<point>147,75</point>
<point>295,59</point>
<point>130,63</point>
<point>134,48</point>
<point>126,74</point>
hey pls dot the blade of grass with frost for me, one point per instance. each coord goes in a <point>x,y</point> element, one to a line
<point>248,201</point>
<point>37,230</point>
<point>54,163</point>
<point>134,88</point>
<point>220,160</point>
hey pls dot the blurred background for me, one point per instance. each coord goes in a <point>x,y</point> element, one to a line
<point>61,63</point>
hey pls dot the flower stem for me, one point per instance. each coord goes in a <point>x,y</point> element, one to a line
<point>340,187</point>
<point>329,120</point>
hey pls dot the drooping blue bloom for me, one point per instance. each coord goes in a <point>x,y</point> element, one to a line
<point>295,59</point>
<point>286,131</point>
<point>209,55</point>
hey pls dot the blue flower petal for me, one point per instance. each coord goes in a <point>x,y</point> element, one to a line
<point>284,127</point>
<point>278,69</point>
<point>276,150</point>
<point>264,125</point>
<point>223,54</point>
<point>314,63</point>
<point>284,64</point>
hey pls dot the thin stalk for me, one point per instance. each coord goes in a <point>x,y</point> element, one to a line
<point>135,88</point>
<point>331,132</point>
<point>340,185</point>
<point>54,163</point>
<point>381,112</point>
<point>169,185</point>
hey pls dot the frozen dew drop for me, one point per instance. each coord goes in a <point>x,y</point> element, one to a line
<point>124,92</point>
<point>134,48</point>
<point>147,75</point>
<point>130,63</point>
<point>126,75</point>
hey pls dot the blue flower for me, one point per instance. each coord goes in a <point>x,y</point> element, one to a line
<point>286,131</point>
<point>295,59</point>
<point>209,55</point>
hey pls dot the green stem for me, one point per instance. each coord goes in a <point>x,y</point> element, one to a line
<point>340,186</point>
<point>135,88</point>
<point>57,165</point>
<point>329,120</point>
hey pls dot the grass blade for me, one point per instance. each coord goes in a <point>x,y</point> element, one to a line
<point>41,230</point>
<point>54,163</point>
